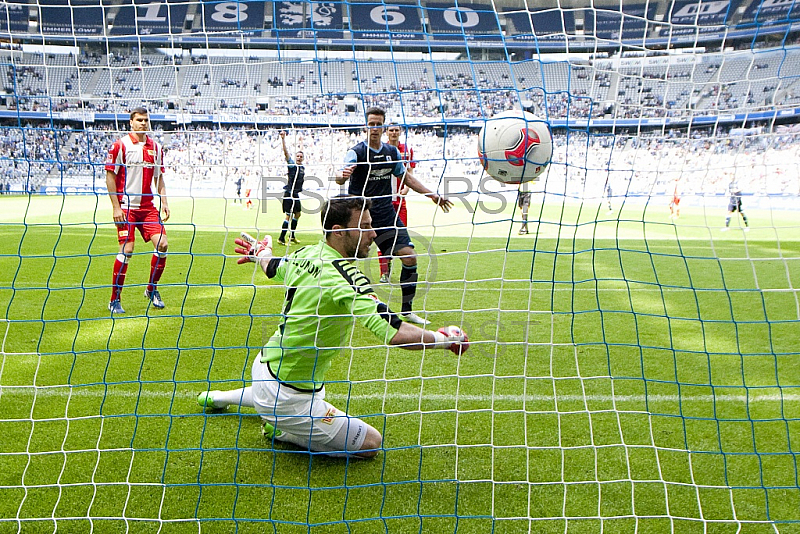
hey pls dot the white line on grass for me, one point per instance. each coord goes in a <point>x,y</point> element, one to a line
<point>114,391</point>
<point>557,286</point>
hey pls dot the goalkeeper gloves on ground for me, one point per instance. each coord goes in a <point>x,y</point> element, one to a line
<point>456,340</point>
<point>252,249</point>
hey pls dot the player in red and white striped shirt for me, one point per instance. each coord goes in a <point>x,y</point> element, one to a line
<point>133,167</point>
<point>399,191</point>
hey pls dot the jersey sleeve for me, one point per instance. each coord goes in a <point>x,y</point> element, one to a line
<point>116,157</point>
<point>400,166</point>
<point>350,158</point>
<point>354,294</point>
<point>276,269</point>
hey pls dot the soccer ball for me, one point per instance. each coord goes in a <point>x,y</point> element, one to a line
<point>515,147</point>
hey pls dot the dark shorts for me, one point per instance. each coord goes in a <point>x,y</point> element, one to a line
<point>524,200</point>
<point>390,240</point>
<point>735,204</point>
<point>291,205</point>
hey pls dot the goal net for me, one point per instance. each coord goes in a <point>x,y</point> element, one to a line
<point>633,315</point>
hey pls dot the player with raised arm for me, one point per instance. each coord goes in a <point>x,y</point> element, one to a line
<point>735,204</point>
<point>371,166</point>
<point>399,192</point>
<point>292,208</point>
<point>133,167</point>
<point>325,294</point>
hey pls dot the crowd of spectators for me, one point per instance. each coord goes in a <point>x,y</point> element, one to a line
<point>441,89</point>
<point>212,159</point>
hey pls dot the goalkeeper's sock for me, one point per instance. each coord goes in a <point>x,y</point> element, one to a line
<point>408,285</point>
<point>157,263</point>
<point>727,221</point>
<point>744,218</point>
<point>294,226</point>
<point>284,229</point>
<point>120,268</point>
<point>239,397</point>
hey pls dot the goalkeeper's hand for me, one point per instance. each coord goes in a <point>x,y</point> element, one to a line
<point>458,339</point>
<point>252,249</point>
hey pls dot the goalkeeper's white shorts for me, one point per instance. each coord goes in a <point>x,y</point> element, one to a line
<point>305,419</point>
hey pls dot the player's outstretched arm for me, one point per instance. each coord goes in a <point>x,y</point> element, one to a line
<point>410,181</point>
<point>255,251</point>
<point>412,337</point>
<point>283,144</point>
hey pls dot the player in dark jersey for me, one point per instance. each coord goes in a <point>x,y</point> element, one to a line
<point>524,203</point>
<point>735,204</point>
<point>239,181</point>
<point>296,173</point>
<point>371,167</point>
<point>399,191</point>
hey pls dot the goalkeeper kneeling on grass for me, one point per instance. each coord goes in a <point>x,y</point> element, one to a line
<point>325,294</point>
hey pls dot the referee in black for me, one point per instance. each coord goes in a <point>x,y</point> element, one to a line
<point>296,173</point>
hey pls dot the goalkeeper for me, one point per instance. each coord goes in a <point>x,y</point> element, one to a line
<point>325,293</point>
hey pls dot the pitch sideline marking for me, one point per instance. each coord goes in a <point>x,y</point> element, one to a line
<point>100,392</point>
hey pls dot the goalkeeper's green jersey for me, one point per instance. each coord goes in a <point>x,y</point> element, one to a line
<point>325,294</point>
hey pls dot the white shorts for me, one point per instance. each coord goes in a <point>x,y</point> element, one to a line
<point>307,418</point>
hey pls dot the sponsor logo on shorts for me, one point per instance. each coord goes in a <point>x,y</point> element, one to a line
<point>355,438</point>
<point>122,233</point>
<point>329,415</point>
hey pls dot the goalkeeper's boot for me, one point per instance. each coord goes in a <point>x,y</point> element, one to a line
<point>270,432</point>
<point>293,240</point>
<point>411,317</point>
<point>115,307</point>
<point>155,298</point>
<point>206,400</point>
<point>281,242</point>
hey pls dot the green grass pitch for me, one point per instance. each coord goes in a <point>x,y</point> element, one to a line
<point>626,375</point>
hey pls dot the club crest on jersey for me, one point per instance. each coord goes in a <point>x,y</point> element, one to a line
<point>151,153</point>
<point>527,141</point>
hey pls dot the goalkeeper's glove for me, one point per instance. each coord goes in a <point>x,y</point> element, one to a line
<point>252,249</point>
<point>456,340</point>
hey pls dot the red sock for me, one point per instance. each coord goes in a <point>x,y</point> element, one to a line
<point>156,270</point>
<point>120,269</point>
<point>384,262</point>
